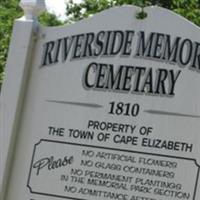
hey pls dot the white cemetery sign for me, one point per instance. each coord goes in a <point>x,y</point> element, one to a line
<point>104,109</point>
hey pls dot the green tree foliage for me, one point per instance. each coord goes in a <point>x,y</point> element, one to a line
<point>9,11</point>
<point>49,19</point>
<point>190,9</point>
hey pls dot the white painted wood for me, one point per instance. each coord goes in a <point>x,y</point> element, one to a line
<point>61,100</point>
<point>32,8</point>
<point>12,93</point>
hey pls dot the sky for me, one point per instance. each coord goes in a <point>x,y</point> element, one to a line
<point>58,7</point>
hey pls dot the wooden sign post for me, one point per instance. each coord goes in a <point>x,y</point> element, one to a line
<point>104,109</point>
